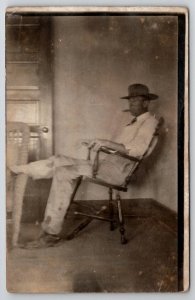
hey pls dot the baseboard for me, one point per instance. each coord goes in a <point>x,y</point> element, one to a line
<point>140,207</point>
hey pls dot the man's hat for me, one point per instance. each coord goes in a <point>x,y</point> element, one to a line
<point>137,89</point>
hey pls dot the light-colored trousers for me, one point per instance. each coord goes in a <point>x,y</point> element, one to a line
<point>64,170</point>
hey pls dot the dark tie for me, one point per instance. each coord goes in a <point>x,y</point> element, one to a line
<point>132,121</point>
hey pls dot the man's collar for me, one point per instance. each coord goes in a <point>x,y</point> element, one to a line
<point>141,117</point>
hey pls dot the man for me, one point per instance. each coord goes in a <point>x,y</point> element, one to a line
<point>134,140</point>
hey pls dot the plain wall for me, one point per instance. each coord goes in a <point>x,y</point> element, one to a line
<point>95,59</point>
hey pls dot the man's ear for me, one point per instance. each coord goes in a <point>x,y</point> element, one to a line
<point>146,103</point>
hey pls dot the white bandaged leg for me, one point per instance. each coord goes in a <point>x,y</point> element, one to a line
<point>45,168</point>
<point>36,170</point>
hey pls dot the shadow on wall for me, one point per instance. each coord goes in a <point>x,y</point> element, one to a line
<point>148,166</point>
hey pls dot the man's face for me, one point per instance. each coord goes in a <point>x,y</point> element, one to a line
<point>138,105</point>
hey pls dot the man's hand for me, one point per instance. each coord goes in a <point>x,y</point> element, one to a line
<point>97,144</point>
<point>89,143</point>
<point>85,142</point>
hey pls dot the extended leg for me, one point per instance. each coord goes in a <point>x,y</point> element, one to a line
<point>37,169</point>
<point>78,183</point>
<point>45,168</point>
<point>121,220</point>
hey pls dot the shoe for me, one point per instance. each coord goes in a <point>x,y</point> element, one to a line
<point>44,241</point>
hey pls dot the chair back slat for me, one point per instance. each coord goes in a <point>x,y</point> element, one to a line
<point>18,136</point>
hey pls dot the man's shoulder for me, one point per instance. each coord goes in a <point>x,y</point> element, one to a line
<point>152,121</point>
<point>152,118</point>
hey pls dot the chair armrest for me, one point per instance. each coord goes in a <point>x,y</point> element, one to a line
<point>119,153</point>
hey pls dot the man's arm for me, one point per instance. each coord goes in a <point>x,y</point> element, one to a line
<point>98,143</point>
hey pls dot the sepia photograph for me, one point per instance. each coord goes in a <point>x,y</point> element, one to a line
<point>97,192</point>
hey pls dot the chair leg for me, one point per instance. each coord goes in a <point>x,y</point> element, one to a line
<point>84,224</point>
<point>121,220</point>
<point>78,183</point>
<point>111,209</point>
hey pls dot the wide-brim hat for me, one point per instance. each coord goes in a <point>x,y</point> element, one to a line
<point>137,90</point>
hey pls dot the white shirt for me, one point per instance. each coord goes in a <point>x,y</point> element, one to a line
<point>137,136</point>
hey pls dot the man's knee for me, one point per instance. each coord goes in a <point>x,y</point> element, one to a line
<point>64,173</point>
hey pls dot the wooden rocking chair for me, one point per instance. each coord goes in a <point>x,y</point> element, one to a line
<point>117,188</point>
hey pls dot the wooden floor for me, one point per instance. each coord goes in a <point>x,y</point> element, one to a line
<point>95,261</point>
